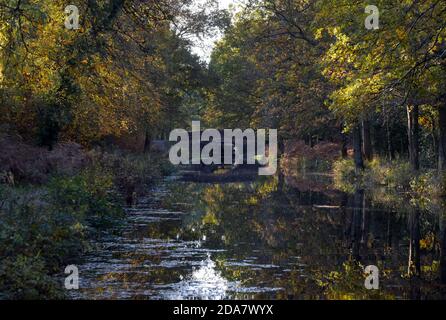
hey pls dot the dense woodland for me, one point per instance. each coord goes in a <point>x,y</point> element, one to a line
<point>309,68</point>
<point>127,77</point>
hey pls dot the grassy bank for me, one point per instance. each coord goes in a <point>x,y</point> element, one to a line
<point>396,176</point>
<point>391,183</point>
<point>47,224</point>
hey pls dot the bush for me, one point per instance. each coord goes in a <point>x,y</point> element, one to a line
<point>35,240</point>
<point>425,188</point>
<point>396,175</point>
<point>22,163</point>
<point>90,196</point>
<point>299,156</point>
<point>26,277</point>
<point>345,177</point>
<point>43,231</point>
<point>132,173</point>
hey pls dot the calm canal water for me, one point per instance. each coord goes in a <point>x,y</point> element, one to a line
<point>261,239</point>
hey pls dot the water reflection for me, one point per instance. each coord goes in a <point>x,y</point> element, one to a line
<point>292,239</point>
<point>205,283</point>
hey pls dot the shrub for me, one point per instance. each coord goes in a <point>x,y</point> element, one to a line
<point>298,156</point>
<point>425,188</point>
<point>345,176</point>
<point>35,241</point>
<point>26,277</point>
<point>90,196</point>
<point>395,175</point>
<point>41,231</point>
<point>22,163</point>
<point>132,173</point>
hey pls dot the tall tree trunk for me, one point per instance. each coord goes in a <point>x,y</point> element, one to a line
<point>442,138</point>
<point>147,141</point>
<point>389,142</point>
<point>414,265</point>
<point>365,222</point>
<point>395,241</point>
<point>434,141</point>
<point>344,150</point>
<point>367,147</point>
<point>357,148</point>
<point>357,222</point>
<point>413,131</point>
